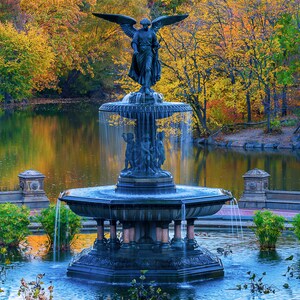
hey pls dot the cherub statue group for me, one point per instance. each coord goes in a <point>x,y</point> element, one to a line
<point>144,158</point>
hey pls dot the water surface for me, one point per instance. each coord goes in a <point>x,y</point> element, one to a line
<point>68,145</point>
<point>245,257</point>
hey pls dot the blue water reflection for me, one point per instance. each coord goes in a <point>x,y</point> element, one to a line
<point>245,257</point>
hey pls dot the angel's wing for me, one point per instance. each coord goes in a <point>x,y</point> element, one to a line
<point>125,22</point>
<point>166,20</point>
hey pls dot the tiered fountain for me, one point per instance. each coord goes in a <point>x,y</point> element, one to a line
<point>145,201</point>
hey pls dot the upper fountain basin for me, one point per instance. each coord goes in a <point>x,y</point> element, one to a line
<point>104,203</point>
<point>135,103</point>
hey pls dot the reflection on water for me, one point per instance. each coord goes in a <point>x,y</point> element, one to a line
<point>245,257</point>
<point>64,144</point>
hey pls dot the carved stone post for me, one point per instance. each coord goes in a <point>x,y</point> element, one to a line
<point>256,183</point>
<point>32,187</point>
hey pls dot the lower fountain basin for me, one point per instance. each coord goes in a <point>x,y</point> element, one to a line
<point>145,243</point>
<point>104,203</point>
<point>166,266</point>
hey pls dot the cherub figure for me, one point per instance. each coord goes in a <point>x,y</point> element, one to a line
<point>160,149</point>
<point>146,155</point>
<point>145,67</point>
<point>130,148</point>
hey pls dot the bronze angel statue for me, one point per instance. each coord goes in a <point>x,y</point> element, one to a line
<point>145,67</point>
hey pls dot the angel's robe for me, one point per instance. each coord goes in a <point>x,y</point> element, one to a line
<point>146,59</point>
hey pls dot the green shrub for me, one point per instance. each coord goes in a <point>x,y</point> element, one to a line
<point>14,221</point>
<point>70,225</point>
<point>268,228</point>
<point>275,126</point>
<point>296,225</point>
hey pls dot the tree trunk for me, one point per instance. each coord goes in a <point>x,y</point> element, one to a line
<point>276,103</point>
<point>268,108</point>
<point>284,105</point>
<point>249,116</point>
<point>67,91</point>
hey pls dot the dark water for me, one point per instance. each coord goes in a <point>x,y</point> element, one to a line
<point>245,257</point>
<point>67,144</point>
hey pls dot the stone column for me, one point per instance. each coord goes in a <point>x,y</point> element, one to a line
<point>177,241</point>
<point>113,241</point>
<point>191,243</point>
<point>165,235</point>
<point>132,235</point>
<point>177,230</point>
<point>126,234</point>
<point>100,229</point>
<point>190,229</point>
<point>100,242</point>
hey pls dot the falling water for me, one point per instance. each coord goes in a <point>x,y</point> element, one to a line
<point>56,241</point>
<point>236,221</point>
<point>183,221</point>
<point>183,234</point>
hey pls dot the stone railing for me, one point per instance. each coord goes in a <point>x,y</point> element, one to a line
<point>31,192</point>
<point>258,196</point>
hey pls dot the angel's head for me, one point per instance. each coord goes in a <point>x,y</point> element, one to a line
<point>145,23</point>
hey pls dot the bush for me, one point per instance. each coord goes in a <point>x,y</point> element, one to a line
<point>268,229</point>
<point>296,225</point>
<point>70,225</point>
<point>14,221</point>
<point>275,126</point>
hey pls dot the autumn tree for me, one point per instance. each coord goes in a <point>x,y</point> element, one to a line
<point>24,58</point>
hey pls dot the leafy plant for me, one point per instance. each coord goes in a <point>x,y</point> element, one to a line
<point>69,225</point>
<point>256,285</point>
<point>275,126</point>
<point>296,225</point>
<point>140,291</point>
<point>14,221</point>
<point>292,271</point>
<point>268,228</point>
<point>35,290</point>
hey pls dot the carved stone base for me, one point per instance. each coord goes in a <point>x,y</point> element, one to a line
<point>150,185</point>
<point>163,266</point>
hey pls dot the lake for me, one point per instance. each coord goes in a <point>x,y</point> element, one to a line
<point>68,144</point>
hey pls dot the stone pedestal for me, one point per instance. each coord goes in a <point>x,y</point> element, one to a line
<point>32,188</point>
<point>256,183</point>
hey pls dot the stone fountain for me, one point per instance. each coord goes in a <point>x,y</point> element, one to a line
<point>145,203</point>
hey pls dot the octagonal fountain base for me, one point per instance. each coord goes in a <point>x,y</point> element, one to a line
<point>164,265</point>
<point>145,241</point>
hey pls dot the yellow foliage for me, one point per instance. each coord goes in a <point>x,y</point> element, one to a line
<point>26,60</point>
